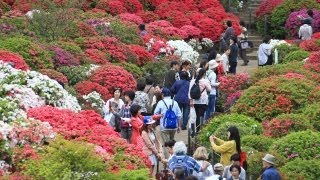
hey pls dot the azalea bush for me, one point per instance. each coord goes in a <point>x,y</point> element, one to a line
<point>266,7</point>
<point>230,89</point>
<point>143,56</point>
<point>54,75</point>
<point>310,45</point>
<point>275,95</point>
<point>35,56</point>
<point>280,14</point>
<point>157,69</point>
<point>312,113</point>
<point>184,50</point>
<point>113,76</point>
<point>36,88</point>
<point>301,169</point>
<point>284,50</point>
<point>16,60</point>
<point>77,73</point>
<point>243,128</point>
<point>253,126</point>
<point>127,34</point>
<point>86,87</point>
<point>135,70</point>
<point>260,143</point>
<point>306,145</point>
<point>89,126</point>
<point>295,56</point>
<point>93,101</point>
<point>64,58</point>
<point>293,22</point>
<point>285,124</point>
<point>313,63</point>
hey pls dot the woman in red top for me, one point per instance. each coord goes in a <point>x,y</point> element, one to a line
<point>136,123</point>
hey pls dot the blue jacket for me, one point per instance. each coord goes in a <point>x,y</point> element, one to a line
<point>270,174</point>
<point>181,90</point>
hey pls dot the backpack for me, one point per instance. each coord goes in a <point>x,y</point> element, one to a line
<point>170,120</point>
<point>181,164</point>
<point>195,92</point>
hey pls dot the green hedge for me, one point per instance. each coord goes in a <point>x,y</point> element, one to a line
<point>301,169</point>
<point>312,113</point>
<point>258,142</point>
<point>284,50</point>
<point>295,56</point>
<point>220,122</point>
<point>304,145</point>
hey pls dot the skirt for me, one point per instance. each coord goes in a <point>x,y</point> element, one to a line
<point>153,159</point>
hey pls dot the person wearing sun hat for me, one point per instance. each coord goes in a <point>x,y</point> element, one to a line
<point>152,146</point>
<point>270,172</point>
<point>212,77</point>
<point>219,70</point>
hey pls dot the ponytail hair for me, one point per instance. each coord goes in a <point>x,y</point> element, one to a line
<point>201,73</point>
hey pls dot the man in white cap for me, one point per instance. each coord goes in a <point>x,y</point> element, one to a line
<point>270,172</point>
<point>212,77</point>
<point>218,172</point>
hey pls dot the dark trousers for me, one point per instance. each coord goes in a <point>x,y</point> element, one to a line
<point>211,107</point>
<point>243,55</point>
<point>126,134</point>
<point>200,110</point>
<point>233,67</point>
<point>185,109</point>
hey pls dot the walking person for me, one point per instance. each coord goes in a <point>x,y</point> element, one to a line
<point>228,34</point>
<point>150,90</point>
<point>264,52</point>
<point>200,104</point>
<point>172,74</point>
<point>141,98</point>
<point>152,146</point>
<point>227,148</point>
<point>233,56</point>
<point>112,108</point>
<point>181,89</point>
<point>126,128</point>
<point>225,60</point>
<point>212,77</point>
<point>136,121</point>
<point>242,39</point>
<point>162,108</point>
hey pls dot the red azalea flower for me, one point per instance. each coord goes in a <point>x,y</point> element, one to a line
<point>131,18</point>
<point>54,75</point>
<point>16,59</point>
<point>210,28</point>
<point>148,16</point>
<point>192,31</point>
<point>267,6</point>
<point>143,55</point>
<point>97,56</point>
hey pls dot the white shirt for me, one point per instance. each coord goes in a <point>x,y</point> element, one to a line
<point>203,175</point>
<point>225,62</point>
<point>212,77</point>
<point>204,84</point>
<point>106,108</point>
<point>263,52</point>
<point>305,32</point>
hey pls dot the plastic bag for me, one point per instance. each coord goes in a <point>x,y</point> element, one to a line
<point>192,121</point>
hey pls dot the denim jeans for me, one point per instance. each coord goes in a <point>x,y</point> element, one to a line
<point>185,109</point>
<point>233,67</point>
<point>211,107</point>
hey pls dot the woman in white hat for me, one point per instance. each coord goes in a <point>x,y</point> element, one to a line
<point>152,146</point>
<point>212,77</point>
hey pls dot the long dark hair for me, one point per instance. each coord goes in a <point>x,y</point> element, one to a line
<point>234,135</point>
<point>201,73</point>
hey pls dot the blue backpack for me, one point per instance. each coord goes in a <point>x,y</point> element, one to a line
<point>181,165</point>
<point>170,120</point>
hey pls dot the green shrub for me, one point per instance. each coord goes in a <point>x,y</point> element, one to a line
<point>55,21</point>
<point>284,50</point>
<point>35,56</point>
<point>301,169</point>
<point>215,123</point>
<point>277,69</point>
<point>75,74</point>
<point>132,68</point>
<point>258,142</point>
<point>280,14</point>
<point>157,69</point>
<point>127,34</point>
<point>312,113</point>
<point>64,159</point>
<point>295,56</point>
<point>299,122</point>
<point>304,144</point>
<point>255,163</point>
<point>276,95</point>
<point>244,129</point>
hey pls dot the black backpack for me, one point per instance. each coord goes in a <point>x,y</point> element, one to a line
<point>195,92</point>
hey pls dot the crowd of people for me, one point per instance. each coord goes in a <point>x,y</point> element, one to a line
<point>150,117</point>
